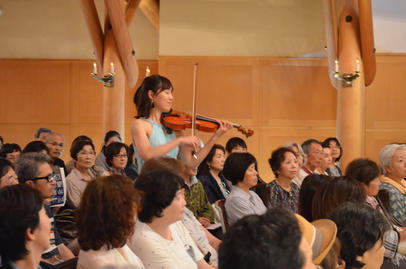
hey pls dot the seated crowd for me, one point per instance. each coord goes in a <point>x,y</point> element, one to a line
<point>217,214</point>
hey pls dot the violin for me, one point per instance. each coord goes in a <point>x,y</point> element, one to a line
<point>176,120</point>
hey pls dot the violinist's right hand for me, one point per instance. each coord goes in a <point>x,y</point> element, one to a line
<point>191,141</point>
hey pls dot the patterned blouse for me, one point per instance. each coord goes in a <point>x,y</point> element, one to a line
<point>397,198</point>
<point>197,201</point>
<point>279,197</point>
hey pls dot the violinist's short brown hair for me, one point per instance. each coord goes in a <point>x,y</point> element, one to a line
<point>107,212</point>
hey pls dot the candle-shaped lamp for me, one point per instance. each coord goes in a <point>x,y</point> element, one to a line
<point>94,68</point>
<point>357,66</point>
<point>147,71</point>
<point>336,66</point>
<point>112,67</point>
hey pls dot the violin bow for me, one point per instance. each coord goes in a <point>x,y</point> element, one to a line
<point>194,104</point>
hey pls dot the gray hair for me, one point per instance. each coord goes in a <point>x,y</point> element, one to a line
<point>27,165</point>
<point>290,145</point>
<point>48,138</point>
<point>307,143</point>
<point>42,130</point>
<point>386,155</point>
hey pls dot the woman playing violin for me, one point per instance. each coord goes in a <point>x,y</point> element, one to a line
<point>151,139</point>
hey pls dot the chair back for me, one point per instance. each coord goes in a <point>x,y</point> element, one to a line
<point>221,211</point>
<point>262,189</point>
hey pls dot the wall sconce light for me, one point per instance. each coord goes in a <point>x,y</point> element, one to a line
<point>346,79</point>
<point>107,80</point>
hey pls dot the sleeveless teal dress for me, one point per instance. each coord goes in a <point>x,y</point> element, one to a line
<point>159,136</point>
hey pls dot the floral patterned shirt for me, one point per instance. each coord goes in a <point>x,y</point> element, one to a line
<point>279,197</point>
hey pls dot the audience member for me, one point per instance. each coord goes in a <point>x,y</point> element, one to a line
<point>268,241</point>
<point>241,169</point>
<point>109,137</point>
<point>367,173</point>
<point>211,176</point>
<point>334,192</point>
<point>360,231</point>
<point>321,236</point>
<point>55,143</point>
<point>313,150</point>
<point>326,161</point>
<point>196,198</point>
<point>284,192</point>
<point>117,158</point>
<point>393,162</point>
<point>160,238</point>
<point>105,219</point>
<point>7,173</point>
<point>83,153</point>
<point>11,152</point>
<point>309,187</point>
<point>1,142</point>
<point>34,169</point>
<point>300,156</point>
<point>206,242</point>
<point>36,146</point>
<point>336,153</point>
<point>42,133</point>
<point>24,227</point>
<point>236,144</point>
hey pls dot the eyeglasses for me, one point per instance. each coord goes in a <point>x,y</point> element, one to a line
<point>85,153</point>
<point>50,178</point>
<point>121,156</point>
<point>56,144</point>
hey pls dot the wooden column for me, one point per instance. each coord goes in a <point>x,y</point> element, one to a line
<point>351,104</point>
<point>114,97</point>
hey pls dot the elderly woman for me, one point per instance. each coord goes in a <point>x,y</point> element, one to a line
<point>283,191</point>
<point>109,137</point>
<point>117,158</point>
<point>367,173</point>
<point>105,219</point>
<point>393,162</point>
<point>7,174</point>
<point>241,169</point>
<point>82,151</point>
<point>160,239</point>
<point>206,242</point>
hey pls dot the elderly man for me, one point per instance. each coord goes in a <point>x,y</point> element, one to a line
<point>42,133</point>
<point>314,154</point>
<point>34,170</point>
<point>55,143</point>
<point>21,245</point>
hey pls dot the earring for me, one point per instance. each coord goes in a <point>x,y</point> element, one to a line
<point>152,104</point>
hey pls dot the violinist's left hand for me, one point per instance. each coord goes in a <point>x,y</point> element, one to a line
<point>224,126</point>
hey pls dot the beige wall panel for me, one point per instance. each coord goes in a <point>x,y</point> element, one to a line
<point>297,90</point>
<point>87,94</point>
<point>377,139</point>
<point>37,91</point>
<point>386,97</point>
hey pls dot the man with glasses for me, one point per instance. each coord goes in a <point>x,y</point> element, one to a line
<point>314,153</point>
<point>34,169</point>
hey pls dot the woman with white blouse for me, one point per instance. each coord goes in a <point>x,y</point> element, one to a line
<point>160,238</point>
